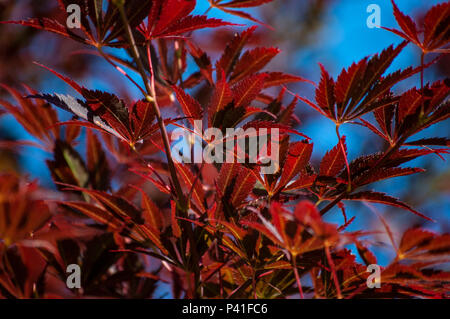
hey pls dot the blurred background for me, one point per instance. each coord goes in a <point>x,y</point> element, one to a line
<point>332,32</point>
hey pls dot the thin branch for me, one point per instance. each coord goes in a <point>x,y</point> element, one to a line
<point>151,97</point>
<point>122,71</point>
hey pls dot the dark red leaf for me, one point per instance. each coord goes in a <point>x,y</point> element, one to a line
<point>279,78</point>
<point>325,93</point>
<point>298,156</point>
<point>190,23</point>
<point>248,89</point>
<point>406,23</point>
<point>191,108</point>
<point>245,181</point>
<point>436,26</point>
<point>49,25</point>
<point>382,198</point>
<point>221,97</point>
<point>252,61</point>
<point>233,50</point>
<point>333,161</point>
<point>244,3</point>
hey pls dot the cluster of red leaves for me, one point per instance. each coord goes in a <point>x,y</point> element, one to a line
<point>236,236</point>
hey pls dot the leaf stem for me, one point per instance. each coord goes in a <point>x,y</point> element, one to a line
<point>422,60</point>
<point>297,277</point>
<point>333,271</point>
<point>349,186</point>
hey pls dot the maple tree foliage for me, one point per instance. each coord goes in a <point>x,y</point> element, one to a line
<point>216,230</point>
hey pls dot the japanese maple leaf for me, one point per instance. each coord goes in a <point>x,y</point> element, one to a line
<point>231,7</point>
<point>100,21</point>
<point>361,88</point>
<point>435,28</point>
<point>168,18</point>
<point>103,110</point>
<point>280,229</point>
<point>412,112</point>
